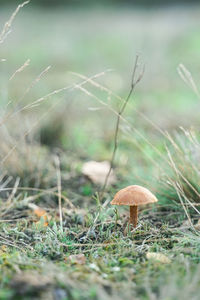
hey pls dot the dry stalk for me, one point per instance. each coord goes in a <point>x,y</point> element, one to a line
<point>42,191</point>
<point>178,188</point>
<point>20,69</point>
<point>186,76</point>
<point>134,82</point>
<point>7,27</point>
<point>57,163</point>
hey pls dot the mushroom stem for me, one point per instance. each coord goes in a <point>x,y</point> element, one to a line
<point>133,215</point>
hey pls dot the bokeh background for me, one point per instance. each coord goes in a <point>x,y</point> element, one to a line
<point>90,37</point>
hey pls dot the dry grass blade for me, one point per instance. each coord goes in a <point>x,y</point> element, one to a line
<point>98,85</point>
<point>134,82</point>
<point>35,124</point>
<point>14,190</point>
<point>66,88</point>
<point>49,191</point>
<point>20,69</point>
<point>179,190</point>
<point>7,27</point>
<point>57,163</point>
<point>129,126</point>
<point>188,79</point>
<point>38,78</point>
<point>178,172</point>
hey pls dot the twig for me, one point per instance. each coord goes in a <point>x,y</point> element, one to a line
<point>134,82</point>
<point>57,163</point>
<point>116,134</point>
<point>20,69</point>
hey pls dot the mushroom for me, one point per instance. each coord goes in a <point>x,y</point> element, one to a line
<point>133,196</point>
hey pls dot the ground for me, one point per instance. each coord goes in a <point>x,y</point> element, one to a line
<point>52,122</point>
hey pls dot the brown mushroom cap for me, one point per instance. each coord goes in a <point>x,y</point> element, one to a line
<point>133,195</point>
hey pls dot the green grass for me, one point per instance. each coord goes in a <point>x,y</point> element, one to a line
<point>116,264</point>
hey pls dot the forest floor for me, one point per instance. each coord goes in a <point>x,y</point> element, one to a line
<point>39,259</point>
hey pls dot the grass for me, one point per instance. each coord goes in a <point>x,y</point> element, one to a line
<point>116,263</point>
<point>43,148</point>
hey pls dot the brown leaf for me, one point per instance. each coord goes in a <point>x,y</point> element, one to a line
<point>78,259</point>
<point>40,213</point>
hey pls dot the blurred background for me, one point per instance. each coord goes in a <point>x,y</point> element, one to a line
<point>102,2</point>
<point>90,37</point>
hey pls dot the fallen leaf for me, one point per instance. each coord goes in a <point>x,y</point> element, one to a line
<point>158,257</point>
<point>78,259</point>
<point>40,213</point>
<point>97,172</point>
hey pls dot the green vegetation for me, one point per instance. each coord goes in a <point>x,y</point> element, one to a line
<point>54,119</point>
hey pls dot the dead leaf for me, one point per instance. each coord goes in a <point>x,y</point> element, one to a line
<point>159,257</point>
<point>97,172</point>
<point>40,213</point>
<point>78,259</point>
